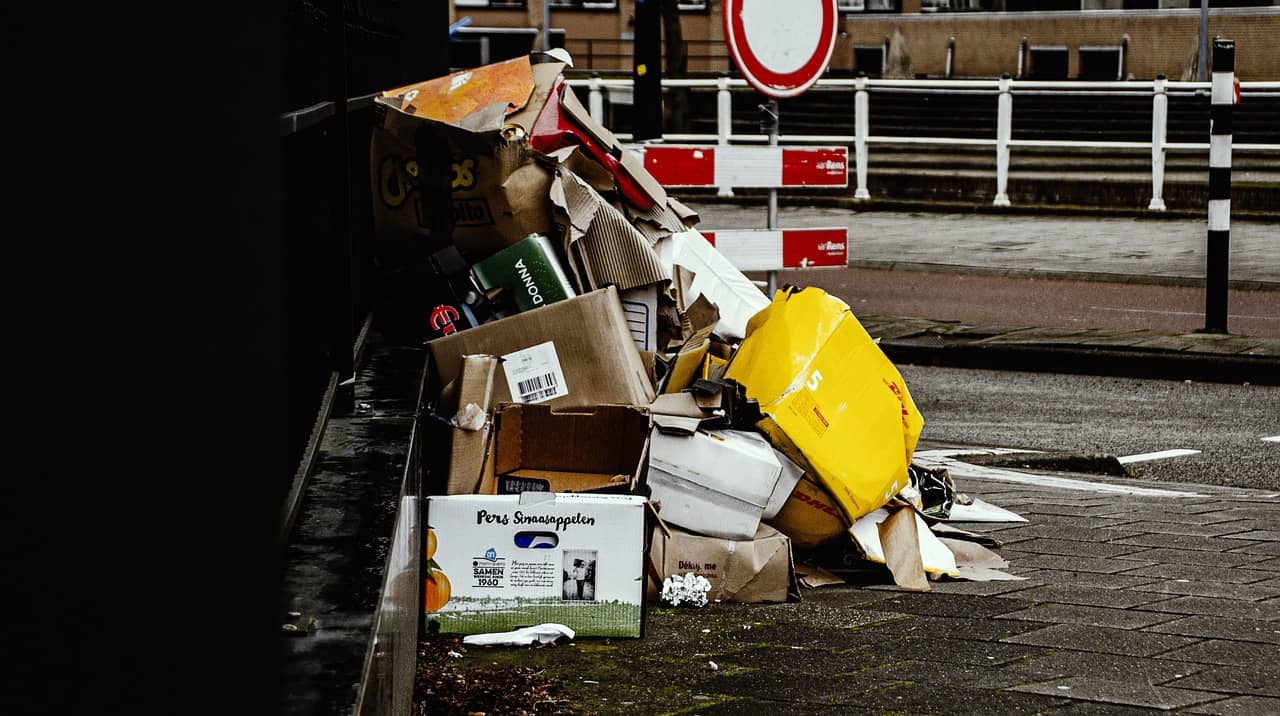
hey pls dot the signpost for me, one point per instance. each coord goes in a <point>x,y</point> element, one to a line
<point>781,48</point>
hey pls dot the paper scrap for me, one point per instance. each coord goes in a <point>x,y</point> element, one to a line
<point>542,634</point>
<point>982,511</point>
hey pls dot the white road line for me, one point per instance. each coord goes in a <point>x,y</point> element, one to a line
<point>960,469</point>
<point>1272,439</point>
<point>1161,455</point>
<point>1178,313</point>
<point>952,452</point>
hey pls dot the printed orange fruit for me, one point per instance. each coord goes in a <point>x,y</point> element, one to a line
<point>431,543</point>
<point>437,590</point>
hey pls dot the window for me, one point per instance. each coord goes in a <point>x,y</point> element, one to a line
<point>585,4</point>
<point>1048,62</point>
<point>1100,62</point>
<point>869,5</point>
<point>496,4</point>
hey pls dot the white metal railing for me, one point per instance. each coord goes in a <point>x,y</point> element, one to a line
<point>1005,87</point>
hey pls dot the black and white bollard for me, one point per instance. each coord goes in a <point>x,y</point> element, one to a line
<point>1218,251</point>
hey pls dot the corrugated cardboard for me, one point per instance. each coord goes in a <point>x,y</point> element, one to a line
<point>832,400</point>
<point>714,482</point>
<point>469,447</point>
<point>603,246</point>
<point>755,570</point>
<point>538,448</point>
<point>592,342</point>
<point>512,561</point>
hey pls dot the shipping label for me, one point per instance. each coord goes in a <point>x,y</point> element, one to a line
<point>534,374</point>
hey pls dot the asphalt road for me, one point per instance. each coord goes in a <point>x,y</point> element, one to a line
<point>1038,302</point>
<point>1116,416</point>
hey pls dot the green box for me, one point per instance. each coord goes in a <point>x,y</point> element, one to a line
<point>529,269</point>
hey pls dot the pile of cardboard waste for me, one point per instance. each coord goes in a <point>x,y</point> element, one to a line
<point>629,417</point>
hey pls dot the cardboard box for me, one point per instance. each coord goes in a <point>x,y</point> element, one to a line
<point>543,449</point>
<point>714,482</point>
<point>755,570</point>
<point>832,401</point>
<point>573,353</point>
<point>470,442</point>
<point>497,563</point>
<point>448,136</point>
<point>529,270</point>
<point>810,516</point>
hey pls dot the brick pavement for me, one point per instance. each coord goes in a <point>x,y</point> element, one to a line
<point>1130,604</point>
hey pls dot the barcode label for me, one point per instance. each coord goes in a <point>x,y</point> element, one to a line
<point>541,386</point>
<point>534,374</point>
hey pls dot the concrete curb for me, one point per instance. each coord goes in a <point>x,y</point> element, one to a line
<point>1087,360</point>
<point>1099,276</point>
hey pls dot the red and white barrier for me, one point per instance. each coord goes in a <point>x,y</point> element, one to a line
<point>771,249</point>
<point>747,167</point>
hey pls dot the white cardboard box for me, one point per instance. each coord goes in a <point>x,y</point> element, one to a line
<point>512,561</point>
<point>713,482</point>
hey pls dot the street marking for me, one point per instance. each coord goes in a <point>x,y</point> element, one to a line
<point>952,452</point>
<point>932,460</point>
<point>1178,313</point>
<point>1272,439</point>
<point>1161,455</point>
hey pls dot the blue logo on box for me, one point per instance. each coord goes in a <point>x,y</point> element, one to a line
<point>491,554</point>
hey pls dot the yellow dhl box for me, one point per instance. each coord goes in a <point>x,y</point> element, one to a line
<point>832,400</point>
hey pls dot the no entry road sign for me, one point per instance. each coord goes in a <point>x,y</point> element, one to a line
<point>780,46</point>
<point>747,167</point>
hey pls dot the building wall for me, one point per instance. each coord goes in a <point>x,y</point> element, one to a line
<point>1160,41</point>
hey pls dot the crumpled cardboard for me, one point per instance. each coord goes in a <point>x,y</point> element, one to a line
<point>602,245</point>
<point>563,121</point>
<point>898,537</point>
<point>469,442</point>
<point>832,401</point>
<point>463,134</point>
<point>756,570</point>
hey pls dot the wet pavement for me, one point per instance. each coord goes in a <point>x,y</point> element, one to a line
<point>1141,599</point>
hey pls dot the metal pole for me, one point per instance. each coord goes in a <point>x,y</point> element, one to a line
<point>546,25</point>
<point>1004,132</point>
<point>1219,238</point>
<point>595,100</point>
<point>724,121</point>
<point>951,50</point>
<point>1202,71</point>
<point>771,116</point>
<point>1159,123</point>
<point>861,124</point>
